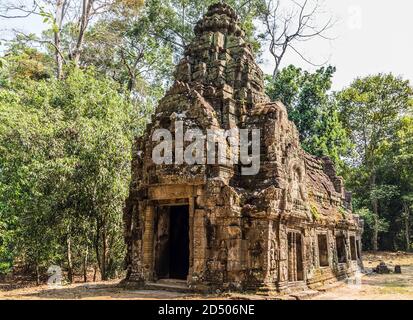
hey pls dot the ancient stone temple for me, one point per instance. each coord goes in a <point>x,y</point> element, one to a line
<point>289,226</point>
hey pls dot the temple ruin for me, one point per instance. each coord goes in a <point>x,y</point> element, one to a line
<point>286,228</point>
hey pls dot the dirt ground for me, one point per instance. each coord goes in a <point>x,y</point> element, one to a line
<point>372,287</point>
<point>375,286</point>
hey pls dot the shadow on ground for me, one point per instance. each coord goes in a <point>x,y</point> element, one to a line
<point>373,287</point>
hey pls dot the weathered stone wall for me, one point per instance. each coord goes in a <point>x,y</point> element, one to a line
<point>246,232</point>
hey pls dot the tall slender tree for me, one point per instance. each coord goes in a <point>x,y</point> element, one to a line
<point>371,109</point>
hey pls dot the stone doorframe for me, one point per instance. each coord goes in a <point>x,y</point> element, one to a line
<point>292,270</point>
<point>161,196</point>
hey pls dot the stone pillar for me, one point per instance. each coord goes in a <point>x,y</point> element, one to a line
<point>283,259</point>
<point>331,246</point>
<point>136,271</point>
<point>270,260</point>
<point>191,208</point>
<point>148,237</point>
<point>232,235</point>
<point>199,245</point>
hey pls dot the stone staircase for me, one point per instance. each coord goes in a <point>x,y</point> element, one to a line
<point>296,291</point>
<point>173,285</point>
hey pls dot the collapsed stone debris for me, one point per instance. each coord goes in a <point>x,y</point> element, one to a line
<point>397,269</point>
<point>382,268</point>
<point>288,227</point>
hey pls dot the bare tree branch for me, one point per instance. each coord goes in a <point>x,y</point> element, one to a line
<point>305,59</point>
<point>19,10</point>
<point>284,29</point>
<point>48,42</point>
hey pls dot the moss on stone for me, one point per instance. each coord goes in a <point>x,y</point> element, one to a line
<point>315,213</point>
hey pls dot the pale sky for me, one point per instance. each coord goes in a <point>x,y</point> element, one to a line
<point>371,36</point>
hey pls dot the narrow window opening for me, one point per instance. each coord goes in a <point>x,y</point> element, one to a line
<point>353,248</point>
<point>358,248</point>
<point>341,249</point>
<point>323,250</point>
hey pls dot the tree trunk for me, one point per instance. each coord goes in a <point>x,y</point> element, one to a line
<point>60,7</point>
<point>95,270</point>
<point>69,258</point>
<point>375,206</point>
<point>102,240</point>
<point>58,57</point>
<point>83,24</point>
<point>98,257</point>
<point>276,70</point>
<point>104,254</point>
<point>131,83</point>
<point>37,275</point>
<point>85,261</point>
<point>407,225</point>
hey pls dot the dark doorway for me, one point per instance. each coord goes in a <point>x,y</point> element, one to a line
<point>322,250</point>
<point>341,249</point>
<point>353,248</point>
<point>358,248</point>
<point>172,242</point>
<point>179,242</point>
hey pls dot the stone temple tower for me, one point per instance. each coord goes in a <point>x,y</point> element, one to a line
<point>287,227</point>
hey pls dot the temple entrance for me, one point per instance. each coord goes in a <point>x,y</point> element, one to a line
<point>179,242</point>
<point>295,257</point>
<point>172,242</point>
